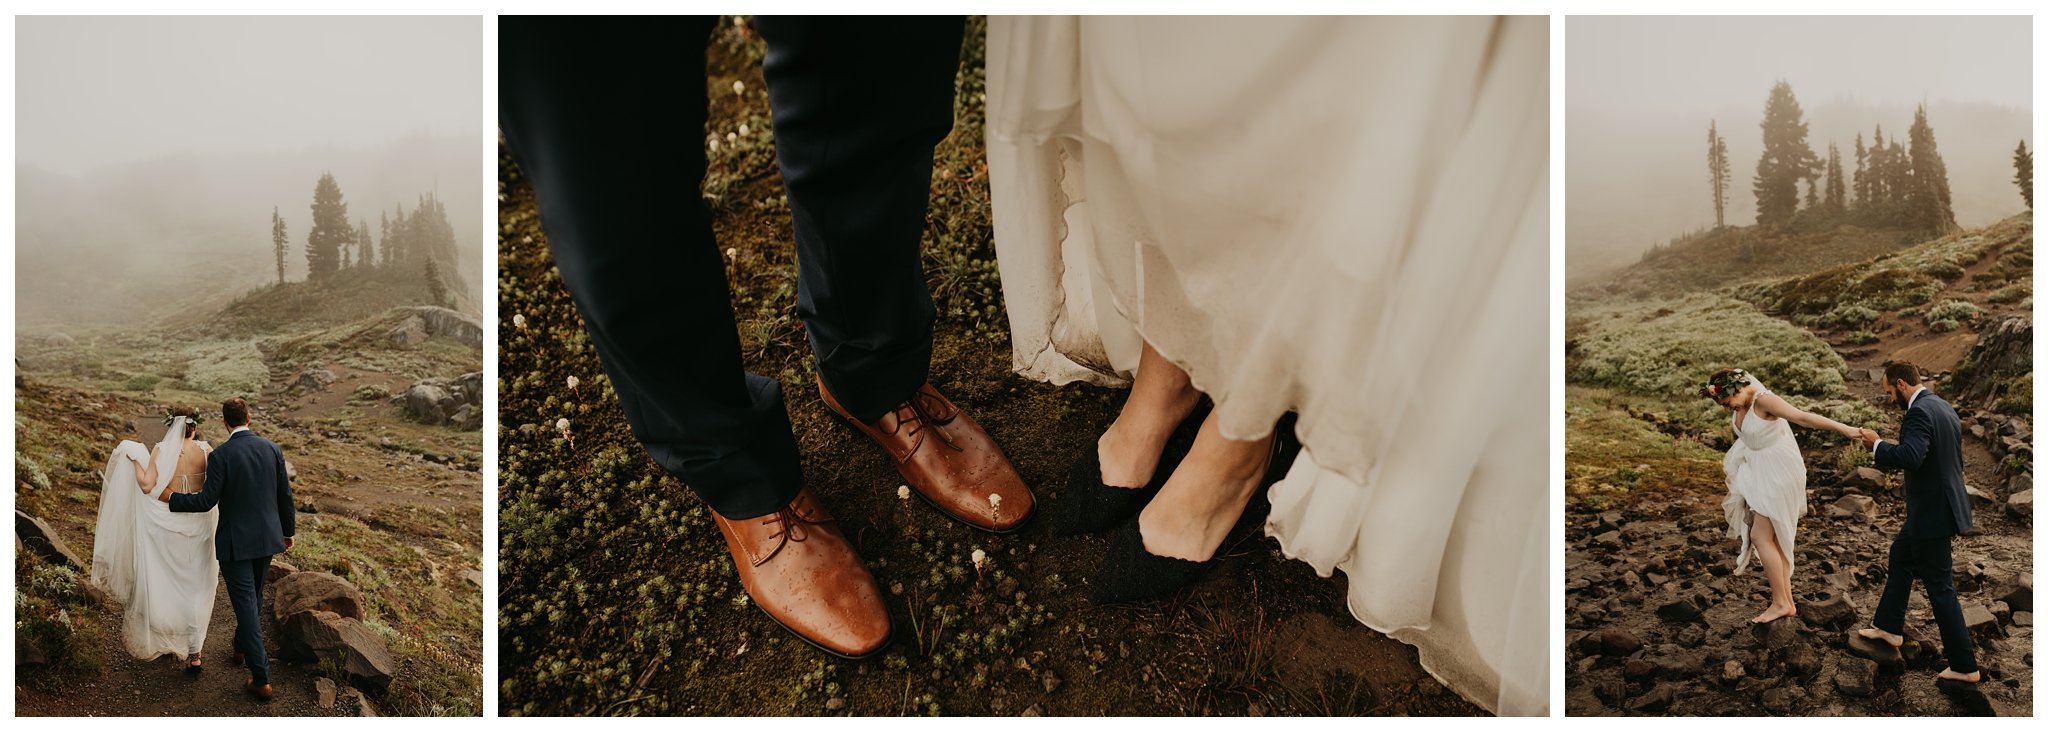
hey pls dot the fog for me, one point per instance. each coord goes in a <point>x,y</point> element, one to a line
<point>1641,91</point>
<point>150,151</point>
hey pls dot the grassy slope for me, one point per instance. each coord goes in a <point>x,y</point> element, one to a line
<point>619,597</point>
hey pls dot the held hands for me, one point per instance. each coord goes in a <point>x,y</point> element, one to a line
<point>1867,437</point>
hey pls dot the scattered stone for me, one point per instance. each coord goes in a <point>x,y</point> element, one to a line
<point>1884,654</point>
<point>1778,633</point>
<point>1656,700</point>
<point>1854,507</point>
<point>324,688</point>
<point>306,591</point>
<point>835,704</point>
<point>43,540</point>
<point>1980,620</point>
<point>1682,610</point>
<point>1977,494</point>
<point>1856,677</point>
<point>2023,618</point>
<point>1618,642</point>
<point>1731,671</point>
<point>1782,700</point>
<point>475,578</point>
<point>1834,611</point>
<point>1864,478</point>
<point>1034,711</point>
<point>312,380</point>
<point>2021,504</point>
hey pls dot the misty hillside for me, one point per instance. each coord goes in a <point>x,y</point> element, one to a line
<point>1634,182</point>
<point>185,234</point>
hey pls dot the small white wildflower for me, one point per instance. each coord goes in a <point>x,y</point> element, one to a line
<point>743,129</point>
<point>573,381</point>
<point>739,87</point>
<point>714,144</point>
<point>732,253</point>
<point>995,500</point>
<point>903,492</point>
<point>730,137</point>
<point>562,425</point>
<point>980,557</point>
<point>519,321</point>
<point>739,22</point>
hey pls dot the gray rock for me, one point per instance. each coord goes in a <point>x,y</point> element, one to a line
<point>1866,478</point>
<point>408,333</point>
<point>323,687</point>
<point>2021,504</point>
<point>1853,507</point>
<point>38,537</point>
<point>312,380</point>
<point>1980,620</point>
<point>1834,610</point>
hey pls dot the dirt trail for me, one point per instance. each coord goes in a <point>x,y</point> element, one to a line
<point>127,687</point>
<point>1658,624</point>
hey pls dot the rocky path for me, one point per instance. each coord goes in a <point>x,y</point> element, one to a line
<point>127,687</point>
<point>1657,623</point>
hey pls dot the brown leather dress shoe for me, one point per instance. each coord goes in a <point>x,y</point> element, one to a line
<point>801,571</point>
<point>260,691</point>
<point>949,459</point>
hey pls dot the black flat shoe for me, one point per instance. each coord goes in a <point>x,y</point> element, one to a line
<point>1088,505</point>
<point>1130,573</point>
<point>194,667</point>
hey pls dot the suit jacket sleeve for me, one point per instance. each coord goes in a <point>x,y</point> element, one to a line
<point>205,499</point>
<point>287,515</point>
<point>1914,434</point>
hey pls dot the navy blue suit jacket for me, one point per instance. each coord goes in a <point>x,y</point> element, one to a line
<point>1930,451</point>
<point>245,477</point>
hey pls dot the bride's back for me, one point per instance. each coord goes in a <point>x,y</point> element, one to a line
<point>191,472</point>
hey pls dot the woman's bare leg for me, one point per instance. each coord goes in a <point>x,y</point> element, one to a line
<point>1198,505</point>
<point>1161,396</point>
<point>1777,569</point>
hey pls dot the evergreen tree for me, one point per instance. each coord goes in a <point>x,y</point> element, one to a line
<point>401,230</point>
<point>1880,176</point>
<point>330,230</point>
<point>1837,188</point>
<point>1786,159</point>
<point>384,234</point>
<point>277,241</point>
<point>1930,202</point>
<point>2023,172</point>
<point>366,248</point>
<point>1717,172</point>
<point>435,289</point>
<point>1862,182</point>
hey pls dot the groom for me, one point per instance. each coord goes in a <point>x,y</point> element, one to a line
<point>607,116</point>
<point>1929,450</point>
<point>245,476</point>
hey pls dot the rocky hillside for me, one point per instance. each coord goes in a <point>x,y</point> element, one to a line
<point>370,410</point>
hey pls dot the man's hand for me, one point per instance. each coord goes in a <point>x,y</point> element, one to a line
<point>287,543</point>
<point>1868,437</point>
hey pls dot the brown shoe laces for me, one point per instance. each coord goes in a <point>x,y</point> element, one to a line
<point>921,409</point>
<point>792,529</point>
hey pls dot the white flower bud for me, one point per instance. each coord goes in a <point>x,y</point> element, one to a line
<point>903,492</point>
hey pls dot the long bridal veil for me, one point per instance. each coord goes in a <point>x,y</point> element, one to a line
<point>158,564</point>
<point>1342,217</point>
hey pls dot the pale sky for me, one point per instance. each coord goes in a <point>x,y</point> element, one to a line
<point>94,91</point>
<point>1653,66</point>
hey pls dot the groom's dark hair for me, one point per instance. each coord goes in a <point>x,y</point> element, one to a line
<point>234,412</point>
<point>1901,371</point>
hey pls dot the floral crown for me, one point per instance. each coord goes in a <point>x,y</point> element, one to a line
<point>1725,383</point>
<point>196,419</point>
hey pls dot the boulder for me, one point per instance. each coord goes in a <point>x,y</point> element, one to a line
<point>1856,677</point>
<point>408,333</point>
<point>1853,507</point>
<point>1834,610</point>
<point>2021,504</point>
<point>306,591</point>
<point>319,636</point>
<point>1681,610</point>
<point>429,402</point>
<point>312,380</point>
<point>1864,478</point>
<point>435,322</point>
<point>2019,595</point>
<point>38,537</point>
<point>279,570</point>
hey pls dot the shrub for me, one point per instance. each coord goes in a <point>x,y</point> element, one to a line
<point>1850,316</point>
<point>1861,338</point>
<point>54,615</point>
<point>2011,293</point>
<point>1669,347</point>
<point>1943,326</point>
<point>1954,310</point>
<point>1947,271</point>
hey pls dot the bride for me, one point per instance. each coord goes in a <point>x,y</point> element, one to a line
<point>1342,218</point>
<point>159,564</point>
<point>1766,479</point>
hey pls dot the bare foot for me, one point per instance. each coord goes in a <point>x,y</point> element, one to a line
<point>1969,678</point>
<point>1774,612</point>
<point>1198,506</point>
<point>1875,634</point>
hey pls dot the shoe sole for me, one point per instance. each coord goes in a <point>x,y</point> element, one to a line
<point>888,639</point>
<point>919,492</point>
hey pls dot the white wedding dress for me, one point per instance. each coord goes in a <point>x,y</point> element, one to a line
<point>1342,217</point>
<point>1766,474</point>
<point>160,565</point>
